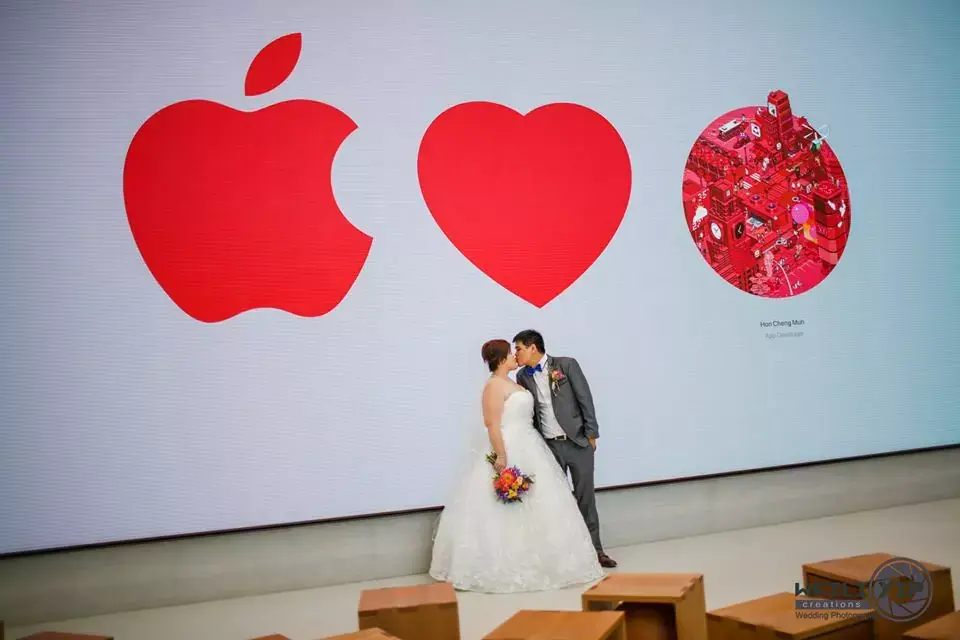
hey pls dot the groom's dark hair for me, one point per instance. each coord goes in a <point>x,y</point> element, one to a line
<point>529,337</point>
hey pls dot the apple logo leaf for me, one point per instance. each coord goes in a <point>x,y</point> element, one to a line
<point>273,64</point>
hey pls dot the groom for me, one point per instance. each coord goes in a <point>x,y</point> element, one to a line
<point>564,416</point>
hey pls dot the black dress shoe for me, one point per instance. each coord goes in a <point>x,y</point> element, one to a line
<point>606,561</point>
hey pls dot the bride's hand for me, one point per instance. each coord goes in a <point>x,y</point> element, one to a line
<point>500,464</point>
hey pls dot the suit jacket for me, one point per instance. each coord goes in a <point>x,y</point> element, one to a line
<point>571,397</point>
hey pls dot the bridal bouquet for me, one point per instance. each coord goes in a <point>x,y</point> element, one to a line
<point>510,484</point>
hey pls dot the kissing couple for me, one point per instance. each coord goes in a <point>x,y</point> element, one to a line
<point>544,424</point>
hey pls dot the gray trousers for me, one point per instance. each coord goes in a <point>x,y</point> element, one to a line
<point>579,460</point>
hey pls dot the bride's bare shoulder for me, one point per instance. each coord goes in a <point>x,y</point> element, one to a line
<point>494,387</point>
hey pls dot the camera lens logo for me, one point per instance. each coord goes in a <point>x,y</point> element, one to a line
<point>900,590</point>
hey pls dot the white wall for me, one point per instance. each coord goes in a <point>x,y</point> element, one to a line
<point>81,583</point>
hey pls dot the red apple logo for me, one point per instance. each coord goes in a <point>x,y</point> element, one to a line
<point>234,210</point>
<point>531,200</point>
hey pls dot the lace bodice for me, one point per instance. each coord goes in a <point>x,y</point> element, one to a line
<point>518,411</point>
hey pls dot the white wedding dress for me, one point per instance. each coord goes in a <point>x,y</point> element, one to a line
<point>538,544</point>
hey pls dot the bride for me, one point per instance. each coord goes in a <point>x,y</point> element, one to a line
<point>538,544</point>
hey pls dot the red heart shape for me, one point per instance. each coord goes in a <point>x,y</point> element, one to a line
<point>532,201</point>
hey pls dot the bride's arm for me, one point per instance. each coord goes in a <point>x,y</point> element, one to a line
<point>492,413</point>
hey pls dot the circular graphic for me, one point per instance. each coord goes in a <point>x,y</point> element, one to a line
<point>766,200</point>
<point>900,590</point>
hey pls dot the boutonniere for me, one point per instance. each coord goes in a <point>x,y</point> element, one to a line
<point>556,377</point>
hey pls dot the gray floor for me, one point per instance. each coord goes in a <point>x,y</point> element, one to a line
<point>737,566</point>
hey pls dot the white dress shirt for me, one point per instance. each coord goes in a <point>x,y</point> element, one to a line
<point>549,425</point>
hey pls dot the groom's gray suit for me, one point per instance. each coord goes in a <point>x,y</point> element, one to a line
<point>572,405</point>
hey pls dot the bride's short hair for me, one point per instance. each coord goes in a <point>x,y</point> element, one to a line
<point>494,352</point>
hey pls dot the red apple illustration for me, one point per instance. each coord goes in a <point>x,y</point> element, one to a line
<point>234,210</point>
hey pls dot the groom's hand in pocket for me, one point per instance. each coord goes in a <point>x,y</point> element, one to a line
<point>593,443</point>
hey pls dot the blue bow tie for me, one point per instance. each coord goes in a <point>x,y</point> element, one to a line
<point>533,370</point>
